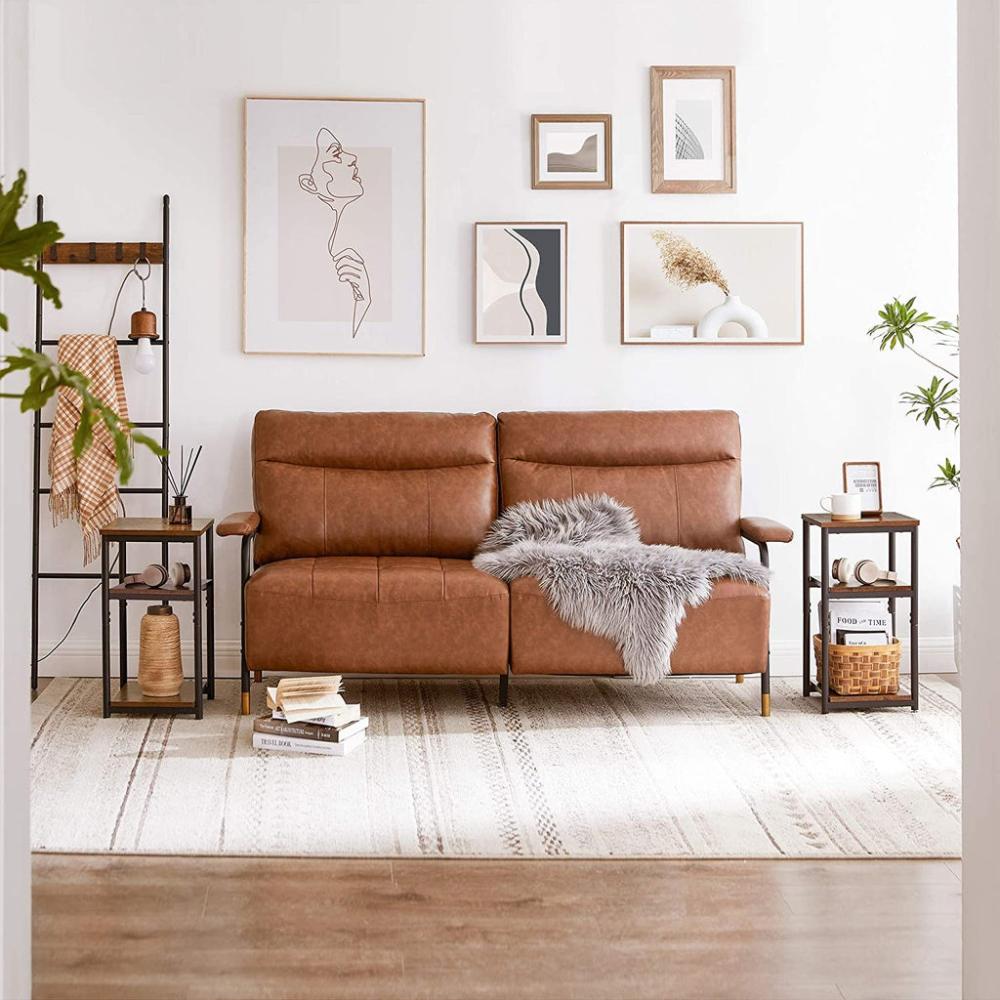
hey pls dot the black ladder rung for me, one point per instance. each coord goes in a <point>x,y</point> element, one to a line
<point>135,423</point>
<point>121,343</point>
<point>149,490</point>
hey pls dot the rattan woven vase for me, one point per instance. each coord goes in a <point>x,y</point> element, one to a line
<point>160,671</point>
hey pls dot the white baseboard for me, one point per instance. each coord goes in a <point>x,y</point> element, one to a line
<point>937,656</point>
<point>83,658</point>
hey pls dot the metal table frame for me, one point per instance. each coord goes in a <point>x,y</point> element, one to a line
<point>891,525</point>
<point>201,594</point>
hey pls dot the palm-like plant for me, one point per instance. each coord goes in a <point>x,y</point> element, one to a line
<point>19,251</point>
<point>938,402</point>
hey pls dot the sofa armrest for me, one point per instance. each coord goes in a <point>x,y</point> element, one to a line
<point>763,530</point>
<point>245,523</point>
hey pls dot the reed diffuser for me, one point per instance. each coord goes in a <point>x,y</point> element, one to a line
<point>179,512</point>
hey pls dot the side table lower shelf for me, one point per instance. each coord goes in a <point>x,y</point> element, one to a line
<point>844,702</point>
<point>131,699</point>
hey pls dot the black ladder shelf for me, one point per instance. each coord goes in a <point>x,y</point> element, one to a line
<point>157,253</point>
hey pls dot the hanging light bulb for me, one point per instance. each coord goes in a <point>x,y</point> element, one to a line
<point>143,329</point>
<point>144,360</point>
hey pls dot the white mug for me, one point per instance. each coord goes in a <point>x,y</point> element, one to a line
<point>843,506</point>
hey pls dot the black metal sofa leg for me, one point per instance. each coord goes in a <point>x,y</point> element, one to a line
<point>504,685</point>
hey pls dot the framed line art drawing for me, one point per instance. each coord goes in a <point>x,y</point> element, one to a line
<point>334,226</point>
<point>865,478</point>
<point>520,295</point>
<point>693,129</point>
<point>571,151</point>
<point>712,283</point>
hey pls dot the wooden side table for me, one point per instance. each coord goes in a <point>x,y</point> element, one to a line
<point>201,594</point>
<point>891,524</point>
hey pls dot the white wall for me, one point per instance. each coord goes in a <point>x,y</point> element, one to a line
<point>15,301</point>
<point>979,219</point>
<point>845,118</point>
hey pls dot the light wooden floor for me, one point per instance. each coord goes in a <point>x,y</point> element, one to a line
<point>229,927</point>
<point>153,927</point>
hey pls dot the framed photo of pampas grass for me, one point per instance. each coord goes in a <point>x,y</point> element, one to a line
<point>571,151</point>
<point>334,226</point>
<point>712,283</point>
<point>693,129</point>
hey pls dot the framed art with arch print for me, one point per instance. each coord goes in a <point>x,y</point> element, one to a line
<point>334,226</point>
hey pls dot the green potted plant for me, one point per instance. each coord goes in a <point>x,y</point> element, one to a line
<point>903,326</point>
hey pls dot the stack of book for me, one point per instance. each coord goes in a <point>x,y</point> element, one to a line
<point>309,715</point>
<point>860,623</point>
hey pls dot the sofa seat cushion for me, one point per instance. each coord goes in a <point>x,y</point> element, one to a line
<point>728,634</point>
<point>377,614</point>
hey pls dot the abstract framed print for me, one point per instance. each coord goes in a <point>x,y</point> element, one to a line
<point>520,282</point>
<point>571,151</point>
<point>693,140</point>
<point>334,226</point>
<point>712,283</point>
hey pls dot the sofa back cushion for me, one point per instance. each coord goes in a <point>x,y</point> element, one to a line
<point>370,484</point>
<point>678,470</point>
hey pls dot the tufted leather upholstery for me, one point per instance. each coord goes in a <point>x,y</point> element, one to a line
<point>365,524</point>
<point>367,614</point>
<point>678,470</point>
<point>354,484</point>
<point>726,634</point>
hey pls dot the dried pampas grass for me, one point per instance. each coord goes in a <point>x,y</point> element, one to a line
<point>684,264</point>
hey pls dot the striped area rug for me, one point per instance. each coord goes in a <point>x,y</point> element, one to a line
<point>572,768</point>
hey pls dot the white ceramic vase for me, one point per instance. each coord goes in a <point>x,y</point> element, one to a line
<point>732,310</point>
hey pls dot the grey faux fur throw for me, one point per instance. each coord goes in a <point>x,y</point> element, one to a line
<point>599,577</point>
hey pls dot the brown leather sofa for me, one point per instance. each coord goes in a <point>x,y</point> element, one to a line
<point>357,556</point>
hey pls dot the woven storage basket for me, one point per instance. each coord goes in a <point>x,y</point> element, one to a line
<point>160,672</point>
<point>860,669</point>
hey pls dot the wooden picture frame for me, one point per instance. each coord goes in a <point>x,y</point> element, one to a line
<point>519,303</point>
<point>641,266</point>
<point>875,493</point>
<point>402,335</point>
<point>709,141</point>
<point>543,130</point>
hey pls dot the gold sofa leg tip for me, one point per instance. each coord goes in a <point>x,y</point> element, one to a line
<point>739,678</point>
<point>765,705</point>
<point>245,703</point>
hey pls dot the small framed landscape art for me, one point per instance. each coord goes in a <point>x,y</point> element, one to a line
<point>693,137</point>
<point>712,283</point>
<point>571,151</point>
<point>334,226</point>
<point>865,478</point>
<point>520,295</point>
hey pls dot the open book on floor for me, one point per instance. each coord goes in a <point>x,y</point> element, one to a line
<point>309,698</point>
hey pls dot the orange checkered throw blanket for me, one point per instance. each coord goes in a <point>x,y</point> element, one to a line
<point>86,487</point>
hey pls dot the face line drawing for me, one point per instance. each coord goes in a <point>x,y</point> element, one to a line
<point>335,180</point>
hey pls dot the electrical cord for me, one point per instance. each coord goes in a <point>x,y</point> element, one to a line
<point>83,603</point>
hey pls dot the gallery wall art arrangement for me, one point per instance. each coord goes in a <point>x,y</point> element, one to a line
<point>334,226</point>
<point>335,212</point>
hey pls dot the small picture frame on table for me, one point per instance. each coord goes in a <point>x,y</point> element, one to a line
<point>865,478</point>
